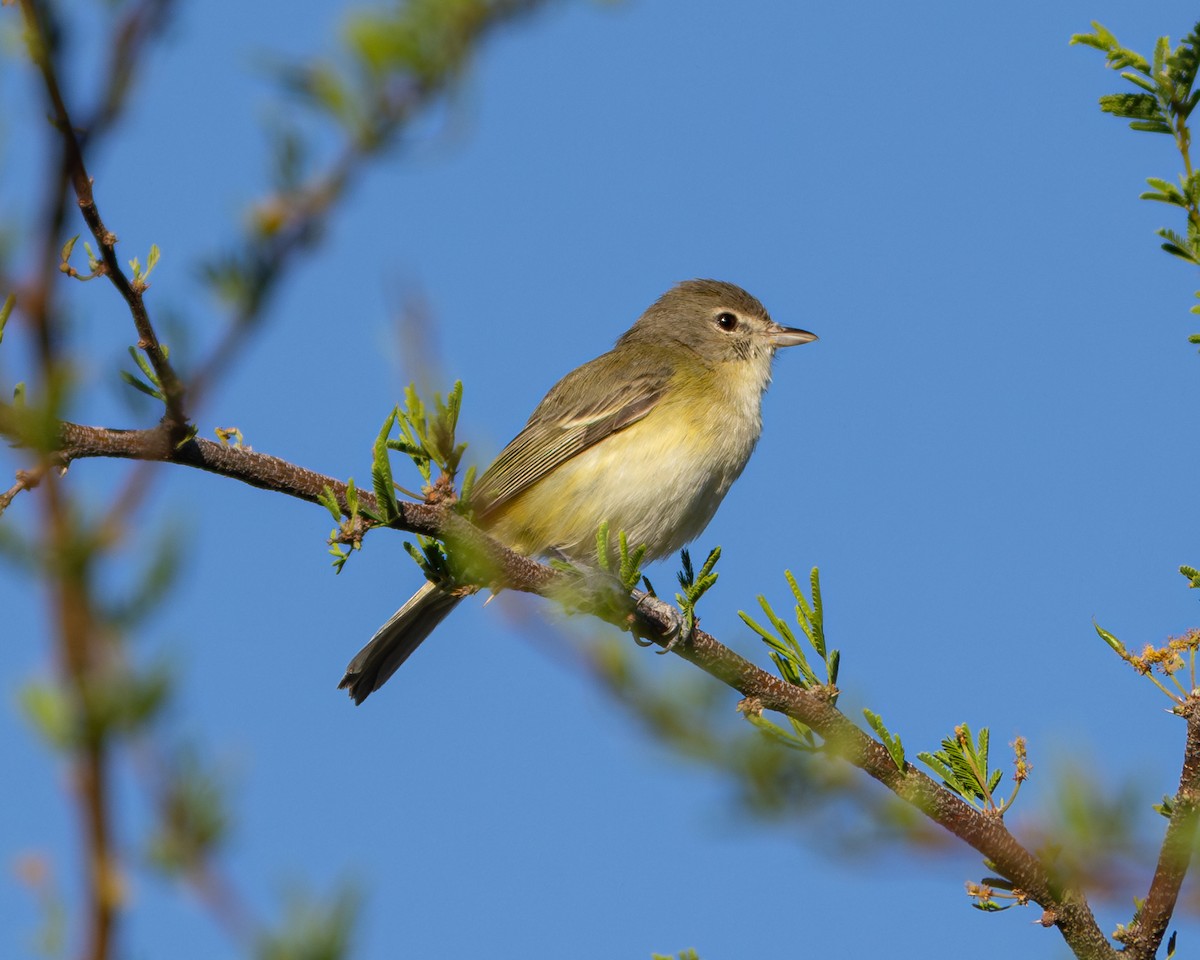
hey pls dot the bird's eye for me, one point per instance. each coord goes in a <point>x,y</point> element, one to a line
<point>727,321</point>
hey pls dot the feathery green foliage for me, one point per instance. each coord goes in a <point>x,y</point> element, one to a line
<point>695,585</point>
<point>1163,103</point>
<point>627,563</point>
<point>962,763</point>
<point>786,651</point>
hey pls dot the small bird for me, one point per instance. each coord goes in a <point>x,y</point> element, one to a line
<point>647,438</point>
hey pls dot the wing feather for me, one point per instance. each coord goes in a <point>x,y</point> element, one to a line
<point>589,404</point>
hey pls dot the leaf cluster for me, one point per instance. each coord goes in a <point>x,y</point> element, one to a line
<point>694,585</point>
<point>113,702</point>
<point>392,56</point>
<point>427,437</point>
<point>1163,103</point>
<point>791,660</point>
<point>786,651</point>
<point>962,763</point>
<point>1166,98</point>
<point>313,928</point>
<point>626,566</point>
<point>193,817</point>
<point>1175,656</point>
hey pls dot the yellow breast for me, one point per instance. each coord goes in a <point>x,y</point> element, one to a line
<point>660,480</point>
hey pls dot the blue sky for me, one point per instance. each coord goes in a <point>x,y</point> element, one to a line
<point>989,447</point>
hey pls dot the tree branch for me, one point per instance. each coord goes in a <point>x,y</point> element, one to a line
<point>651,617</point>
<point>1175,856</point>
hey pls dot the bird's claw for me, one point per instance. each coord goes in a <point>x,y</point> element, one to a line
<point>682,627</point>
<point>681,632</point>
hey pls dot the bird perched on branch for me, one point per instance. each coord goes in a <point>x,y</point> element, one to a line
<point>647,438</point>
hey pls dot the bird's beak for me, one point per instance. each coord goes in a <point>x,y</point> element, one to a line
<point>788,336</point>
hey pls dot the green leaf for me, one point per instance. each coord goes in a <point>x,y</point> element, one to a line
<point>1177,245</point>
<point>935,763</point>
<point>340,556</point>
<point>1102,39</point>
<point>784,631</point>
<point>468,484</point>
<point>381,472</point>
<point>1138,79</point>
<point>696,585</point>
<point>754,625</point>
<point>631,564</point>
<point>194,818</point>
<point>326,499</point>
<point>145,388</point>
<point>805,742</point>
<point>1167,192</point>
<point>1133,106</point>
<point>49,710</point>
<point>1151,126</point>
<point>144,365</point>
<point>152,259</point>
<point>811,617</point>
<point>962,764</point>
<point>603,559</point>
<point>1162,49</point>
<point>894,747</point>
<point>312,928</point>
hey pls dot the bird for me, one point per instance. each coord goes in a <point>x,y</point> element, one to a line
<point>646,438</point>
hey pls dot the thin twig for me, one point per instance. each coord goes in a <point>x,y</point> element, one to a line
<point>42,54</point>
<point>26,480</point>
<point>138,24</point>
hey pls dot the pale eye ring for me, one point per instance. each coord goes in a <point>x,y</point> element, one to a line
<point>727,321</point>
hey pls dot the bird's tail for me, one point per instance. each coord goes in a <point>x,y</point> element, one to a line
<point>395,641</point>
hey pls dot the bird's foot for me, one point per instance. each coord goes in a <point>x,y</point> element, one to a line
<point>680,630</point>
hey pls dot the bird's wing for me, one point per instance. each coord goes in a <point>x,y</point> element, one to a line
<point>587,405</point>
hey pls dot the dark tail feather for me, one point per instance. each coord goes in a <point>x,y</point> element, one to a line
<point>395,641</point>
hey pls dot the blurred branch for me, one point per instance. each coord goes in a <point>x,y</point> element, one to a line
<point>140,23</point>
<point>407,58</point>
<point>81,654</point>
<point>26,480</point>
